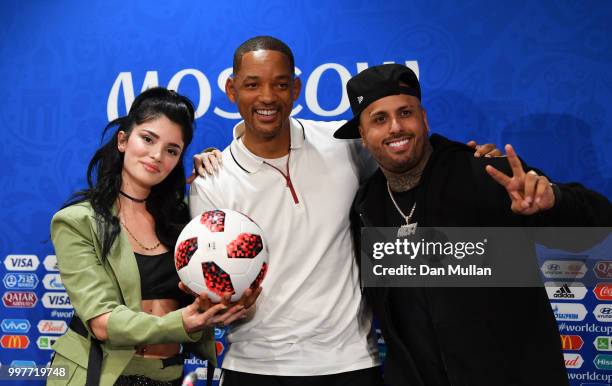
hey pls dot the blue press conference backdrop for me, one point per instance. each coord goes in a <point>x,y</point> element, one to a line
<point>532,73</point>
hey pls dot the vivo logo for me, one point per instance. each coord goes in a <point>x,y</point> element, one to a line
<point>56,300</point>
<point>124,84</point>
<point>53,281</point>
<point>21,262</point>
<point>15,326</point>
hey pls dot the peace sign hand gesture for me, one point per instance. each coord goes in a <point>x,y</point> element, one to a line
<point>529,192</point>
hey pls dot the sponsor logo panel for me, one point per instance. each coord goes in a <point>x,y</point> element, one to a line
<point>14,299</point>
<point>220,348</point>
<point>565,290</point>
<point>571,342</point>
<point>15,326</point>
<point>21,363</point>
<point>603,269</point>
<point>573,361</point>
<point>21,262</point>
<point>50,263</point>
<point>603,343</point>
<point>20,280</point>
<point>56,300</point>
<point>603,313</point>
<point>603,361</point>
<point>564,269</point>
<point>603,291</point>
<point>219,332</point>
<point>45,342</point>
<point>569,311</point>
<point>52,326</point>
<point>53,281</point>
<point>14,341</point>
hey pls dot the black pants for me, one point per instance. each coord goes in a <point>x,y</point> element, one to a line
<point>365,377</point>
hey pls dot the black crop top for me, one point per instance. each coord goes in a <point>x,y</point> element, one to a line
<point>158,278</point>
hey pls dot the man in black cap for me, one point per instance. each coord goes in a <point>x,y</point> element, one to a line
<point>456,336</point>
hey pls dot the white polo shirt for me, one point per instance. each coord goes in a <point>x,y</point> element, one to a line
<point>310,318</point>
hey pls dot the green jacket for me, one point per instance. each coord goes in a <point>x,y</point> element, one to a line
<point>96,287</point>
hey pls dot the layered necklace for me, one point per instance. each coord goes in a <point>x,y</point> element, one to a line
<point>408,228</point>
<point>141,245</point>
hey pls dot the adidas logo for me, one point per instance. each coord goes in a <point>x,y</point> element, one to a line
<point>564,292</point>
<point>359,99</point>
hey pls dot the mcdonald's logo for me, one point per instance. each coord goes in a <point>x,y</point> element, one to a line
<point>571,342</point>
<point>14,341</point>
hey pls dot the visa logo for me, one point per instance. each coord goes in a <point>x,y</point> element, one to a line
<point>56,300</point>
<point>15,326</point>
<point>21,262</point>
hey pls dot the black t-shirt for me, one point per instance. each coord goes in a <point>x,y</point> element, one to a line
<point>410,308</point>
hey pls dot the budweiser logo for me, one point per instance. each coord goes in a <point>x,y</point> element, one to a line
<point>573,361</point>
<point>52,326</point>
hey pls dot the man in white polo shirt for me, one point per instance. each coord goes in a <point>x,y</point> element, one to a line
<point>297,182</point>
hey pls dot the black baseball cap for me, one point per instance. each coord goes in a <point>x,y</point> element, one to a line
<point>372,84</point>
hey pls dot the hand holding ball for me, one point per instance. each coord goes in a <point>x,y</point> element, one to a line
<point>221,251</point>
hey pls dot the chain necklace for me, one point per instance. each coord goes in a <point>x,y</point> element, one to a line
<point>138,242</point>
<point>408,228</point>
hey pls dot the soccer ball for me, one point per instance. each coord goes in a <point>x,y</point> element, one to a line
<point>221,251</point>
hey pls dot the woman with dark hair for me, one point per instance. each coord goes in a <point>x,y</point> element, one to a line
<point>114,244</point>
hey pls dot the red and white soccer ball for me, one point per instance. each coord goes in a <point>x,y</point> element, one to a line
<point>221,251</point>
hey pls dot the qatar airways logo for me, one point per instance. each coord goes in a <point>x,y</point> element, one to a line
<point>124,84</point>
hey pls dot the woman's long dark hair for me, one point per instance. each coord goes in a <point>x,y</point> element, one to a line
<point>166,200</point>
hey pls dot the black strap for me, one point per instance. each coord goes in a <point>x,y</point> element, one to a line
<point>178,359</point>
<point>210,373</point>
<point>94,362</point>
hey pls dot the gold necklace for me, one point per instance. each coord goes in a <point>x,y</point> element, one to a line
<point>138,242</point>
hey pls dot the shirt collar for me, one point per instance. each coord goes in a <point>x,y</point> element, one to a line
<point>250,164</point>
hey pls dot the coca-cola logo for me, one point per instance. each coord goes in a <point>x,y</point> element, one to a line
<point>19,299</point>
<point>603,291</point>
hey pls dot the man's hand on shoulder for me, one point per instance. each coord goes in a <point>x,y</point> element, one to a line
<point>206,163</point>
<point>486,150</point>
